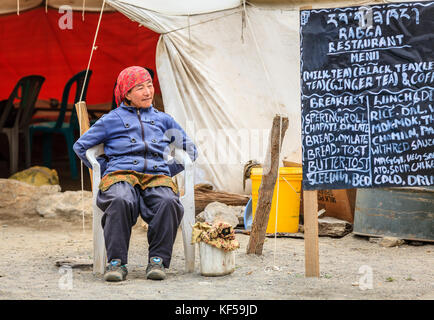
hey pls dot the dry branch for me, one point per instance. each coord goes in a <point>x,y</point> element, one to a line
<point>265,196</point>
<point>203,195</point>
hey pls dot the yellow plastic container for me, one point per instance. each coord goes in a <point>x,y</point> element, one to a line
<point>289,199</point>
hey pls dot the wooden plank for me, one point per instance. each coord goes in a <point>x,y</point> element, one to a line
<point>266,190</point>
<point>311,250</point>
<point>84,123</point>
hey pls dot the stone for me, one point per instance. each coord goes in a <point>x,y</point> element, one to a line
<point>374,239</point>
<point>37,176</point>
<point>66,204</point>
<point>333,227</point>
<point>18,199</point>
<point>416,243</point>
<point>217,211</point>
<point>389,242</point>
<point>239,212</point>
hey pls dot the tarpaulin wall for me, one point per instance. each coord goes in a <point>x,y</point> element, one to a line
<point>33,43</point>
<point>225,72</point>
<point>214,84</point>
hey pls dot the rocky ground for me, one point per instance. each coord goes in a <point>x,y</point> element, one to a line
<point>351,267</point>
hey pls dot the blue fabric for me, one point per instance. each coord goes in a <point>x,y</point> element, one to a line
<point>135,141</point>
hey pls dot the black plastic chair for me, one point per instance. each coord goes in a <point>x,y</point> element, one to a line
<point>16,120</point>
<point>60,126</point>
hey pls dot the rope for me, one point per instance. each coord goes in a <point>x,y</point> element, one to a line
<point>202,22</point>
<point>243,21</point>
<point>46,6</point>
<point>82,195</point>
<point>93,48</point>
<point>267,76</point>
<point>18,7</point>
<point>277,198</point>
<point>189,32</point>
<point>81,96</point>
<point>297,193</point>
<point>82,10</point>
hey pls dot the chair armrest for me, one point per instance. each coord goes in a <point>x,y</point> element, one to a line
<point>91,155</point>
<point>182,157</point>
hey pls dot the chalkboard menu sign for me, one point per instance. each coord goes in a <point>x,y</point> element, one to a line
<point>367,90</point>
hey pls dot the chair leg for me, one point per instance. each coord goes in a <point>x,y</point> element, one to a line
<point>31,139</point>
<point>186,226</point>
<point>27,147</point>
<point>47,145</point>
<point>99,250</point>
<point>12,135</point>
<point>71,154</point>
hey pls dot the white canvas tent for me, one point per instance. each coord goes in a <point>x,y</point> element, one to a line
<point>224,82</point>
<point>225,68</point>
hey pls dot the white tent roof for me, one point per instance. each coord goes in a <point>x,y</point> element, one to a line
<point>184,7</point>
<point>16,6</point>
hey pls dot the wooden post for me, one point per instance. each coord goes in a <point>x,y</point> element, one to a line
<point>266,190</point>
<point>83,122</point>
<point>311,252</point>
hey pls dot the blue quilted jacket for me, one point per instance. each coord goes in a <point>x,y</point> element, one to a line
<point>136,139</point>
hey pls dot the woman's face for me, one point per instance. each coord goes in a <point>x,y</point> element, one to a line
<point>141,95</point>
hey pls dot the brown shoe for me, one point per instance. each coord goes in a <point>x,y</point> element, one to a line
<point>115,271</point>
<point>155,269</point>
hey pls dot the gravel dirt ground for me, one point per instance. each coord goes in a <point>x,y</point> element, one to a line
<point>30,248</point>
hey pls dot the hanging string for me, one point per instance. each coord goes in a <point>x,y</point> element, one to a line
<point>82,11</point>
<point>93,48</point>
<point>82,196</point>
<point>79,109</point>
<point>267,76</point>
<point>18,7</point>
<point>202,22</point>
<point>277,198</point>
<point>243,21</point>
<point>46,6</point>
<point>189,32</point>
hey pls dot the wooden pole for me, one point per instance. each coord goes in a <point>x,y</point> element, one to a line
<point>83,122</point>
<point>266,190</point>
<point>311,252</point>
<point>310,211</point>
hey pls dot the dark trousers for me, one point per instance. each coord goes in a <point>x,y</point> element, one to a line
<point>159,207</point>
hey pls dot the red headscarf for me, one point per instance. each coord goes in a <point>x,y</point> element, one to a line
<point>127,79</point>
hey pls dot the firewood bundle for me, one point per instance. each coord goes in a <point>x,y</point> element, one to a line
<point>204,194</point>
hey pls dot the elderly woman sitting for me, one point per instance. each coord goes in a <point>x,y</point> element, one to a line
<point>137,178</point>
